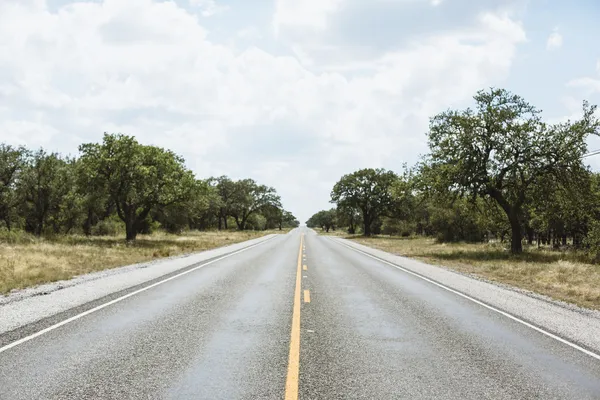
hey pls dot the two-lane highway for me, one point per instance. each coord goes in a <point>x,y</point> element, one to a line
<point>298,316</point>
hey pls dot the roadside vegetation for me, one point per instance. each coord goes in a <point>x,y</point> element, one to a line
<point>501,194</point>
<point>27,260</point>
<point>116,203</point>
<point>565,275</point>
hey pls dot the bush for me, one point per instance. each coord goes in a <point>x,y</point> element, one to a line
<point>592,241</point>
<point>112,226</point>
<point>16,237</point>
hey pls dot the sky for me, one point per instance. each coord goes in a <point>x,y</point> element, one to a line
<point>291,93</point>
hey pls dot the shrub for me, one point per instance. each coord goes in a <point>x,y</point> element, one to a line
<point>112,226</point>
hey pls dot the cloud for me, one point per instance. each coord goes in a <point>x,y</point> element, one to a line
<point>209,7</point>
<point>588,85</point>
<point>148,68</point>
<point>555,40</point>
<point>311,14</point>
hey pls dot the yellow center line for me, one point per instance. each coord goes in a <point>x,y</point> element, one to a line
<point>307,296</point>
<point>293,372</point>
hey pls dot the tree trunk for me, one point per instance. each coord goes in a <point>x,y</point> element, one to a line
<point>242,224</point>
<point>367,228</point>
<point>220,226</point>
<point>516,245</point>
<point>529,236</point>
<point>564,239</point>
<point>87,225</point>
<point>130,231</point>
<point>39,228</point>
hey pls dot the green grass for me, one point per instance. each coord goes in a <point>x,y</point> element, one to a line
<point>28,261</point>
<point>563,275</point>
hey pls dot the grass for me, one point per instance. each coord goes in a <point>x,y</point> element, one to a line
<point>337,232</point>
<point>28,261</point>
<point>563,275</point>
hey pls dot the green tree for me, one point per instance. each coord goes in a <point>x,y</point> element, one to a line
<point>288,220</point>
<point>249,198</point>
<point>226,189</point>
<point>348,217</point>
<point>502,148</point>
<point>367,190</point>
<point>324,219</point>
<point>12,162</point>
<point>43,186</point>
<point>137,178</point>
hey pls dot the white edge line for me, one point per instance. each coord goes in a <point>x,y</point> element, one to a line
<point>104,305</point>
<point>549,334</point>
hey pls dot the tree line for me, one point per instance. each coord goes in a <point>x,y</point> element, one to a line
<point>123,185</point>
<point>495,171</point>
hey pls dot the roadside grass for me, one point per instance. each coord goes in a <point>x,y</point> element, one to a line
<point>28,261</point>
<point>337,232</point>
<point>563,275</point>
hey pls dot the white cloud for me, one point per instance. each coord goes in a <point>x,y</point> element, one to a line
<point>588,85</point>
<point>555,40</point>
<point>311,14</point>
<point>209,7</point>
<point>147,68</point>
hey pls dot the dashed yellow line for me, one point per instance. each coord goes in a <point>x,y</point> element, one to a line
<point>307,296</point>
<point>305,268</point>
<point>293,372</point>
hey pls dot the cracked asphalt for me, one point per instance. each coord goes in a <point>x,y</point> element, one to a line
<point>222,331</point>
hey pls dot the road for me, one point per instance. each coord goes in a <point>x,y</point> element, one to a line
<point>299,316</point>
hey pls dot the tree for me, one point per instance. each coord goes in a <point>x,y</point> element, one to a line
<point>225,189</point>
<point>273,217</point>
<point>43,186</point>
<point>502,148</point>
<point>248,198</point>
<point>288,220</point>
<point>348,217</point>
<point>137,178</point>
<point>368,190</point>
<point>324,219</point>
<point>12,162</point>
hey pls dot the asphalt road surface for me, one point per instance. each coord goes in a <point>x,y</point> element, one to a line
<point>299,316</point>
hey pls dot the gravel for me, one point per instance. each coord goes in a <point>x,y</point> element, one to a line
<point>23,307</point>
<point>575,324</point>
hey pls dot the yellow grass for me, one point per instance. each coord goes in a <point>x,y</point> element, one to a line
<point>567,276</point>
<point>337,232</point>
<point>30,261</point>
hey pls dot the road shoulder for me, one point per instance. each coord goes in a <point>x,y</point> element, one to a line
<point>575,324</point>
<point>30,305</point>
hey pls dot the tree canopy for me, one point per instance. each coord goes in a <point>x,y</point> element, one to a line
<point>123,183</point>
<point>502,149</point>
<point>368,191</point>
<point>494,171</point>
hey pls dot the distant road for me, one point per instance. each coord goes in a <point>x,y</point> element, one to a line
<point>298,316</point>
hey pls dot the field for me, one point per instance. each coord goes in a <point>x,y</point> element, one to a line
<point>27,261</point>
<point>563,275</point>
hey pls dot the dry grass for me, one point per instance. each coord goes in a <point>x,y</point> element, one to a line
<point>567,276</point>
<point>337,232</point>
<point>27,261</point>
